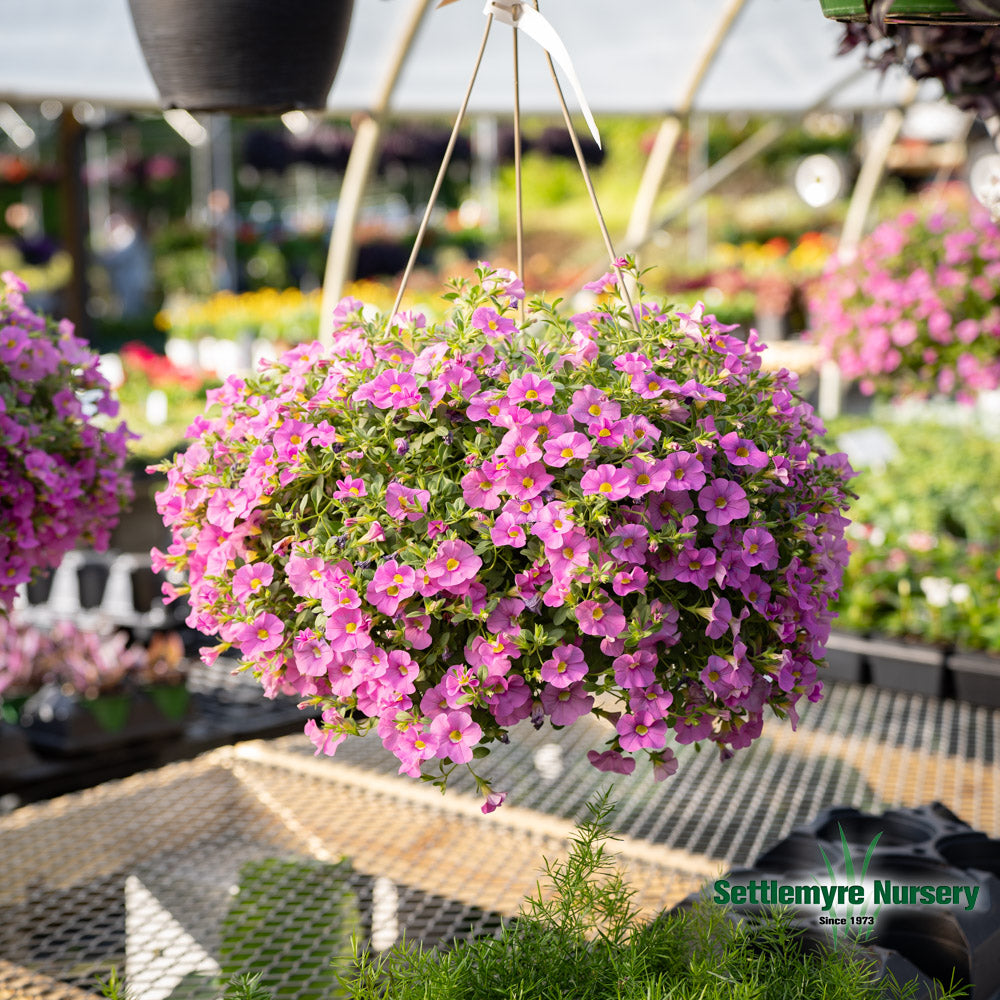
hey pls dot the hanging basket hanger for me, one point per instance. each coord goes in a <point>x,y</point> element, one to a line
<point>521,15</point>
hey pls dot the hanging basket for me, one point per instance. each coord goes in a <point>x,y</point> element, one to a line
<point>918,11</point>
<point>242,56</point>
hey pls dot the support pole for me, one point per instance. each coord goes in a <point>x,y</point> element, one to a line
<point>73,197</point>
<point>669,132</point>
<point>731,162</point>
<point>872,170</point>
<point>341,256</point>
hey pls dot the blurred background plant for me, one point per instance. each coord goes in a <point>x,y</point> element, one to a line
<point>925,537</point>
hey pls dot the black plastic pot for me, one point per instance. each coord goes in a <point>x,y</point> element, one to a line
<point>145,588</point>
<point>845,659</point>
<point>242,56</point>
<point>904,666</point>
<point>925,845</point>
<point>93,578</point>
<point>976,677</point>
<point>62,726</point>
<point>39,587</point>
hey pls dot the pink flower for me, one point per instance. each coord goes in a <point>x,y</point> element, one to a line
<point>392,389</point>
<point>723,501</point>
<point>590,404</point>
<point>606,284</point>
<point>526,483</point>
<point>512,703</point>
<point>741,451</point>
<point>566,666</point>
<point>402,502</point>
<point>606,481</point>
<point>646,477</point>
<point>390,586</point>
<point>629,581</point>
<point>261,636</point>
<point>759,548</point>
<point>564,705</point>
<point>252,579</point>
<point>482,487</point>
<point>553,524</point>
<point>630,543</point>
<point>611,760</point>
<point>454,563</point>
<point>347,629</point>
<point>313,656</point>
<point>641,731</point>
<point>600,618</point>
<point>456,734</point>
<point>349,487</point>
<point>684,471</point>
<point>490,322</point>
<point>664,765</point>
<point>695,566</point>
<point>507,530</point>
<point>327,738</point>
<point>649,385</point>
<point>565,448</point>
<point>519,447</point>
<point>493,801</point>
<point>531,389</point>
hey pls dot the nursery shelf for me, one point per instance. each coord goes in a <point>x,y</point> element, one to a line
<point>140,873</point>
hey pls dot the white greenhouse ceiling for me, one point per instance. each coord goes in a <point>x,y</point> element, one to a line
<point>632,56</point>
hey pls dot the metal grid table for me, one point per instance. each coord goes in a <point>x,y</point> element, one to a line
<point>165,874</point>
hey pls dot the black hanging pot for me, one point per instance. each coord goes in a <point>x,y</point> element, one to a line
<point>242,56</point>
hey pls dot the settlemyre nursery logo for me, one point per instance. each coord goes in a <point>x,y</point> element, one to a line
<point>848,901</point>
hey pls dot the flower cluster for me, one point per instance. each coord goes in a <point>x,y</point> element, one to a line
<point>916,311</point>
<point>61,473</point>
<point>85,662</point>
<point>437,532</point>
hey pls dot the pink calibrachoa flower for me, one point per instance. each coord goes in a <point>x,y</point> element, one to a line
<point>723,501</point>
<point>590,404</point>
<point>456,734</point>
<point>482,580</point>
<point>921,287</point>
<point>606,284</point>
<point>566,448</point>
<point>759,548</point>
<point>347,629</point>
<point>531,389</point>
<point>403,502</point>
<point>454,563</point>
<point>565,667</point>
<point>564,705</point>
<point>607,481</point>
<point>684,471</point>
<point>611,760</point>
<point>349,487</point>
<point>600,617</point>
<point>251,579</point>
<point>641,731</point>
<point>665,764</point>
<point>741,451</point>
<point>508,530</point>
<point>490,322</point>
<point>261,636</point>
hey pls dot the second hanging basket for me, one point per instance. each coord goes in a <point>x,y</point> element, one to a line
<point>918,11</point>
<point>242,56</point>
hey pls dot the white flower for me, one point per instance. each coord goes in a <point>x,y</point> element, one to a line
<point>937,590</point>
